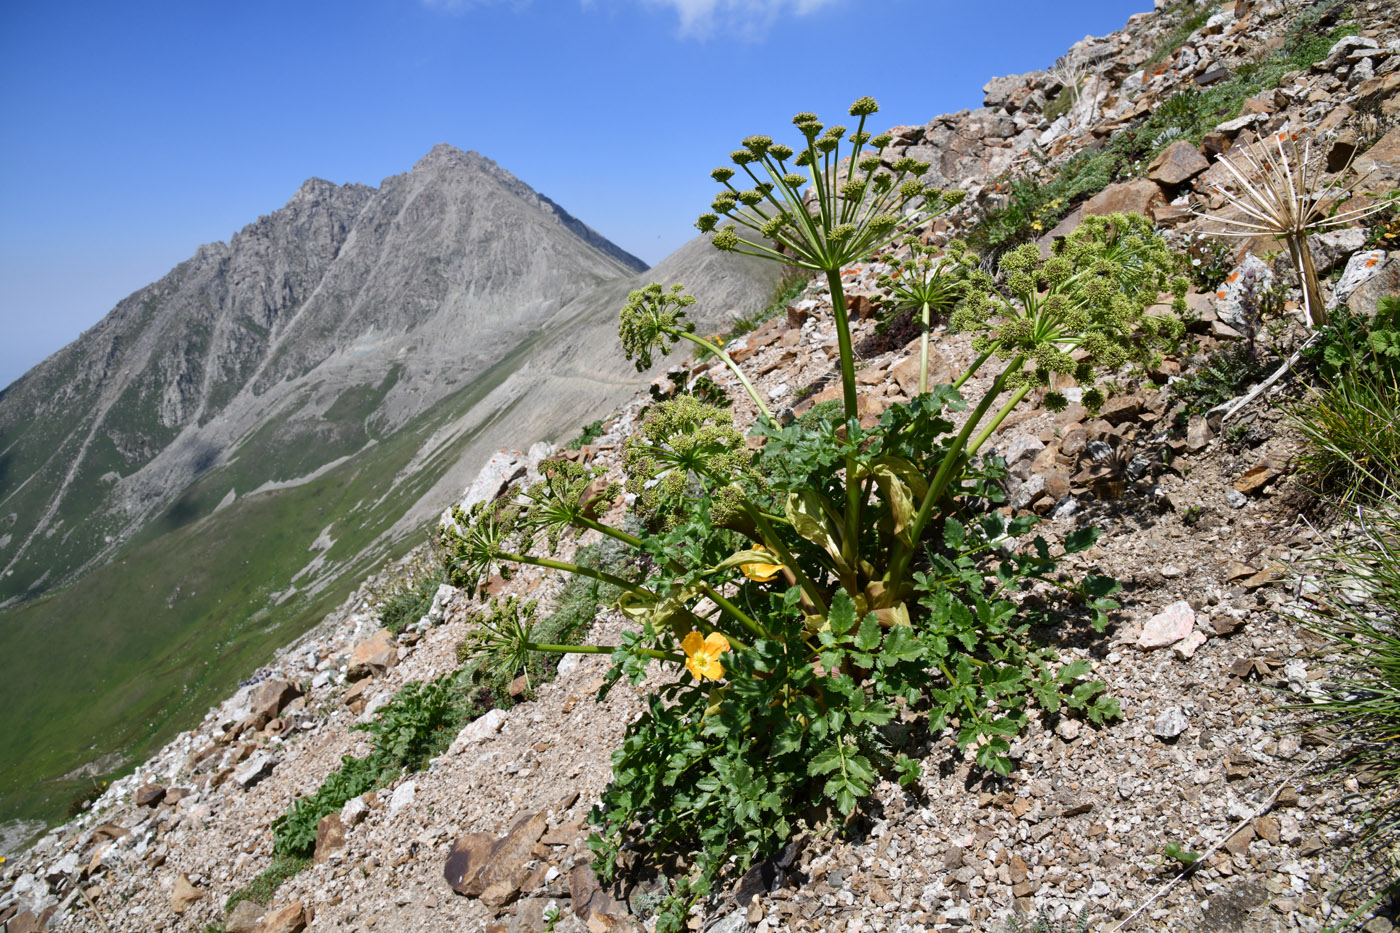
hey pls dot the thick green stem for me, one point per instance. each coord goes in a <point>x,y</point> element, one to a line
<point>843,343</point>
<point>923,350</point>
<point>601,649</point>
<point>733,367</point>
<point>580,570</point>
<point>851,538</point>
<point>740,615</point>
<point>953,460</point>
<point>610,531</point>
<point>997,419</point>
<point>972,370</point>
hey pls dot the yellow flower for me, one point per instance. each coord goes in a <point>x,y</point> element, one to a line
<point>759,571</point>
<point>702,655</point>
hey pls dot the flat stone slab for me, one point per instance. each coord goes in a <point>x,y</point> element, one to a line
<point>1168,627</point>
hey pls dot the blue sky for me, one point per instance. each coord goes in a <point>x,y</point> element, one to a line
<point>133,132</point>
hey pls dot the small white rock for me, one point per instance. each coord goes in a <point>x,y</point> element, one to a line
<point>403,796</point>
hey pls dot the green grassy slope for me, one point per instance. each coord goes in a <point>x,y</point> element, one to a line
<point>138,649</point>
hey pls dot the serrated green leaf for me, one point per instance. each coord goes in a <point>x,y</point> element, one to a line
<point>827,760</point>
<point>841,615</point>
<point>868,638</point>
<point>1073,671</point>
<point>1081,539</point>
<point>954,534</point>
<point>902,643</point>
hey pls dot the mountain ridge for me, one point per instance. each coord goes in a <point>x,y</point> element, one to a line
<point>302,288</point>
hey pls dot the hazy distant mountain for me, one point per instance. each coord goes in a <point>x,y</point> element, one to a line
<point>235,445</point>
<point>337,318</point>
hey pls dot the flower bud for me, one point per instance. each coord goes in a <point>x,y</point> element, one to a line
<point>794,180</point>
<point>883,224</point>
<point>758,145</point>
<point>727,239</point>
<point>881,141</point>
<point>864,107</point>
<point>707,222</point>
<point>741,157</point>
<point>722,174</point>
<point>804,117</point>
<point>868,163</point>
<point>780,152</point>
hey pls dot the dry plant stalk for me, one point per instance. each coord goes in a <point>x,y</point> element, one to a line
<point>1279,189</point>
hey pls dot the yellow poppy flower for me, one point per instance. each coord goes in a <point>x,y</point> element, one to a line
<point>702,655</point>
<point>759,571</point>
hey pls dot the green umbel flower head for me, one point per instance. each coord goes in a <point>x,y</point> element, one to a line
<point>650,320</point>
<point>846,206</point>
<point>1081,312</point>
<point>682,441</point>
<point>927,278</point>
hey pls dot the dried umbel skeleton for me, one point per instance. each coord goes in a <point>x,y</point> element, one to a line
<point>1283,189</point>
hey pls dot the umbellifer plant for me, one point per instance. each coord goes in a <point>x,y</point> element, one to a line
<point>1279,190</point>
<point>811,592</point>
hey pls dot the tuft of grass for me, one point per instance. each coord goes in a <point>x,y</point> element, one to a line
<point>1351,419</point>
<point>1194,17</point>
<point>417,724</point>
<point>410,597</point>
<point>1358,616</point>
<point>1035,205</point>
<point>591,432</point>
<point>261,889</point>
<point>1352,426</point>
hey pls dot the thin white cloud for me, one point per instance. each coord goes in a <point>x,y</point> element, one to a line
<point>697,19</point>
<point>458,6</point>
<point>749,19</point>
